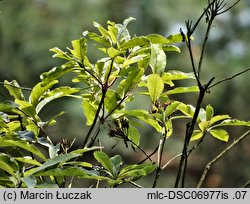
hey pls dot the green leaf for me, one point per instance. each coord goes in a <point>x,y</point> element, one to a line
<point>112,52</point>
<point>220,134</point>
<point>209,112</point>
<point>176,75</point>
<point>60,54</point>
<point>130,82</point>
<point>136,171</point>
<point>79,49</point>
<point>72,171</point>
<point>218,118</point>
<point>110,100</point>
<point>39,89</point>
<point>8,164</point>
<point>89,111</point>
<point>181,90</point>
<point>7,142</point>
<point>171,48</point>
<point>134,59</point>
<point>143,116</point>
<point>63,91</point>
<point>30,181</point>
<point>134,42</point>
<point>60,159</point>
<point>122,30</point>
<point>134,135</point>
<point>197,134</point>
<point>14,89</point>
<point>171,108</point>
<point>155,86</point>
<point>158,59</point>
<point>233,122</point>
<point>28,160</point>
<point>157,39</point>
<point>56,72</point>
<point>117,163</point>
<point>27,108</point>
<point>187,109</point>
<point>105,161</point>
<point>176,38</point>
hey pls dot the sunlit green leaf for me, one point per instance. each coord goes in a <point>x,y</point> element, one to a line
<point>176,38</point>
<point>39,89</point>
<point>60,54</point>
<point>155,86</point>
<point>89,111</point>
<point>171,48</point>
<point>220,134</point>
<point>28,160</point>
<point>14,89</point>
<point>180,90</point>
<point>172,107</point>
<point>197,134</point>
<point>234,122</point>
<point>27,108</point>
<point>158,59</point>
<point>209,112</point>
<point>132,79</point>
<point>63,91</point>
<point>136,41</point>
<point>218,118</point>
<point>176,75</point>
<point>79,49</point>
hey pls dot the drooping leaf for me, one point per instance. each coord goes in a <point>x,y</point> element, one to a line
<point>155,86</point>
<point>197,134</point>
<point>233,122</point>
<point>89,111</point>
<point>158,59</point>
<point>218,118</point>
<point>60,159</point>
<point>171,48</point>
<point>144,116</point>
<point>28,109</point>
<point>132,79</point>
<point>39,89</point>
<point>134,135</point>
<point>60,54</point>
<point>28,160</point>
<point>105,161</point>
<point>7,142</point>
<point>63,91</point>
<point>220,134</point>
<point>172,107</point>
<point>56,72</point>
<point>14,89</point>
<point>110,100</point>
<point>9,165</point>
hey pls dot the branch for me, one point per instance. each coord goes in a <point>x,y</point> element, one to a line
<point>229,78</point>
<point>219,156</point>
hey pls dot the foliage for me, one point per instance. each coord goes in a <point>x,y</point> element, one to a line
<point>130,66</point>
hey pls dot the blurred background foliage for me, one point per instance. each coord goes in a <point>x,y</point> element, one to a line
<point>29,28</point>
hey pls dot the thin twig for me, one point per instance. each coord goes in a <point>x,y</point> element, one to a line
<point>229,78</point>
<point>220,155</point>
